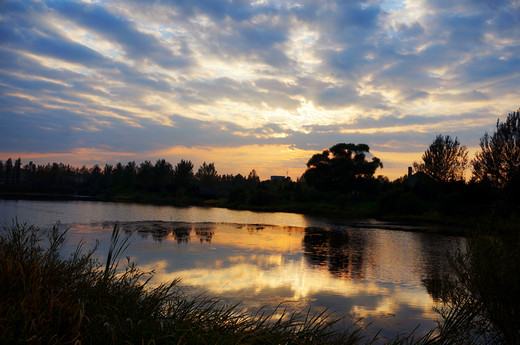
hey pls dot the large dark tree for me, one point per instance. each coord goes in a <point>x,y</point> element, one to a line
<point>163,172</point>
<point>499,160</point>
<point>347,166</point>
<point>145,175</point>
<point>17,170</point>
<point>8,170</point>
<point>129,175</point>
<point>1,172</point>
<point>444,160</point>
<point>183,174</point>
<point>253,177</point>
<point>207,175</point>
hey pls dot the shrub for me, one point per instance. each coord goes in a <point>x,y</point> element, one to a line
<point>481,300</point>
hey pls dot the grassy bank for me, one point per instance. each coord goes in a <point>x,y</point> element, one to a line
<point>48,299</point>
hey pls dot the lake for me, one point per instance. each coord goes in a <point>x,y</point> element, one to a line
<point>381,272</point>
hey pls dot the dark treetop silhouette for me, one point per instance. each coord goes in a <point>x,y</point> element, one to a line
<point>444,160</point>
<point>344,171</point>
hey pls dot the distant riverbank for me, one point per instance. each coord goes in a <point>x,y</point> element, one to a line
<point>430,222</point>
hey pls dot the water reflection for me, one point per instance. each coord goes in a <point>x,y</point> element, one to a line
<point>435,263</point>
<point>159,231</point>
<point>340,251</point>
<point>386,276</point>
<point>46,213</point>
<point>371,273</point>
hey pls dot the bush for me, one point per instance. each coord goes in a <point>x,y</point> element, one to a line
<point>481,299</point>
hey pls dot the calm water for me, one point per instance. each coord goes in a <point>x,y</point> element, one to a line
<point>364,269</point>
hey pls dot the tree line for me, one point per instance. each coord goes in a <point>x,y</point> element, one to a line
<point>339,178</point>
<point>161,177</point>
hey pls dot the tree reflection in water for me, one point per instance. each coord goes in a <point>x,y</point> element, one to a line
<point>435,266</point>
<point>341,252</point>
<point>181,232</point>
<point>205,233</point>
<point>384,276</point>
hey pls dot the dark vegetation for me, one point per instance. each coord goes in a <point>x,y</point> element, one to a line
<point>48,299</point>
<point>339,182</point>
<point>480,300</point>
<point>51,299</point>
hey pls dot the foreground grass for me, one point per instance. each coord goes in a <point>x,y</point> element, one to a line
<point>48,299</point>
<point>482,296</point>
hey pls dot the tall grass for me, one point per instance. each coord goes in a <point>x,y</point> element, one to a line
<point>49,299</point>
<point>482,296</point>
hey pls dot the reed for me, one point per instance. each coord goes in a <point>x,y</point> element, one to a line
<point>481,296</point>
<point>49,299</point>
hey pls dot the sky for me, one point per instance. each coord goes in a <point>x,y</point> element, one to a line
<point>252,84</point>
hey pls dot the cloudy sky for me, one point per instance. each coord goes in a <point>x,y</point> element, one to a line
<point>252,84</point>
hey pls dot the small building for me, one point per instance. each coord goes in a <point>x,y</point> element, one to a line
<point>277,178</point>
<point>419,179</point>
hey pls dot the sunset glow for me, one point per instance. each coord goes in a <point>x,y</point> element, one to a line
<point>251,85</point>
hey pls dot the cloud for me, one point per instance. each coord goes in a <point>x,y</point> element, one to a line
<point>132,76</point>
<point>408,31</point>
<point>136,44</point>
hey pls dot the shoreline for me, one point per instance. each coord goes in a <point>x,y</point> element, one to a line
<point>430,223</point>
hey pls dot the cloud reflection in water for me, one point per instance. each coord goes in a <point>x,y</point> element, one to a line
<point>371,273</point>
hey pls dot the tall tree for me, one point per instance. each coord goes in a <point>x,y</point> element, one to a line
<point>445,159</point>
<point>163,175</point>
<point>17,170</point>
<point>253,177</point>
<point>145,175</point>
<point>8,170</point>
<point>183,174</point>
<point>499,160</point>
<point>130,174</point>
<point>343,170</point>
<point>207,175</point>
<point>1,171</point>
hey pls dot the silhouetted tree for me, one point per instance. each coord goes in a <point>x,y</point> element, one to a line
<point>183,174</point>
<point>347,167</point>
<point>499,160</point>
<point>118,175</point>
<point>30,175</point>
<point>230,181</point>
<point>253,177</point>
<point>163,172</point>
<point>145,175</point>
<point>17,170</point>
<point>129,175</point>
<point>8,170</point>
<point>445,159</point>
<point>1,171</point>
<point>318,171</point>
<point>108,176</point>
<point>95,180</point>
<point>207,175</point>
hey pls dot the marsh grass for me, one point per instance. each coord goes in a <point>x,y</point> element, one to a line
<point>482,296</point>
<point>48,299</point>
